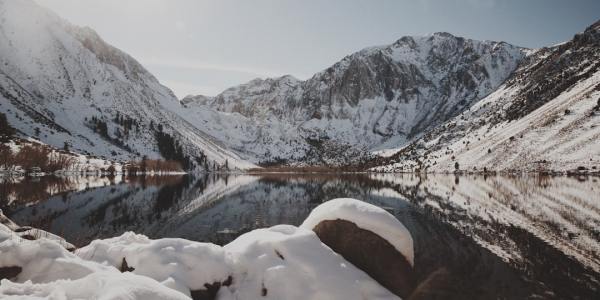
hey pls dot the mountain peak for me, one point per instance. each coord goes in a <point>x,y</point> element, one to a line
<point>377,97</point>
<point>61,82</point>
<point>443,34</point>
<point>595,26</point>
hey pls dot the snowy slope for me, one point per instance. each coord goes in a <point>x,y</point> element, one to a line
<point>374,99</point>
<point>63,84</point>
<point>560,211</point>
<point>546,117</point>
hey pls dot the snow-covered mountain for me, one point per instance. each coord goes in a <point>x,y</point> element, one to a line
<point>377,98</point>
<point>546,117</point>
<point>434,101</point>
<point>65,86</point>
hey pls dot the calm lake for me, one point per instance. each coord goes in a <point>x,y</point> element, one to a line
<point>480,237</point>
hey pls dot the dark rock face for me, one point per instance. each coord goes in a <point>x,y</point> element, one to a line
<point>9,272</point>
<point>370,253</point>
<point>385,95</point>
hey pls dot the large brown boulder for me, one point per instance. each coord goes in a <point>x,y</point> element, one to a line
<point>370,253</point>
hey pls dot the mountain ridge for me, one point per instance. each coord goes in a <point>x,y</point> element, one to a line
<point>374,98</point>
<point>63,85</point>
<point>544,118</point>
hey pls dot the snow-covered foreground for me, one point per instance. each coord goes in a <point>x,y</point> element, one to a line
<point>281,262</point>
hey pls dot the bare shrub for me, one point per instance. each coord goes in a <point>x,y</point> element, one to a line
<point>6,157</point>
<point>30,156</point>
<point>57,161</point>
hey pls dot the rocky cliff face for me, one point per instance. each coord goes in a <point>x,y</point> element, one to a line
<point>65,86</point>
<point>545,117</point>
<point>377,98</point>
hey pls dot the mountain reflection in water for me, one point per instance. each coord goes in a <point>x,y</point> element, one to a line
<point>479,237</point>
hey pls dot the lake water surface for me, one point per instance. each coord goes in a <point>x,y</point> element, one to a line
<point>478,237</point>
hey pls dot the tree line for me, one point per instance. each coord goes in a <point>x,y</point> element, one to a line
<point>152,165</point>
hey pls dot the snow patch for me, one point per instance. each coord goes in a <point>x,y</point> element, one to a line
<point>177,263</point>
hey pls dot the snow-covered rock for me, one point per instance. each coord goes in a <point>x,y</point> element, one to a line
<point>42,260</point>
<point>286,262</point>
<point>49,271</point>
<point>176,263</point>
<point>12,230</point>
<point>365,216</point>
<point>369,238</point>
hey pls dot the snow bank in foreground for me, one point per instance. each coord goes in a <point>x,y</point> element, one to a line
<point>100,285</point>
<point>286,262</point>
<point>42,260</point>
<point>49,271</point>
<point>365,216</point>
<point>281,262</point>
<point>177,263</point>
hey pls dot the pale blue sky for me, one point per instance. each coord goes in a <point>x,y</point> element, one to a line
<point>203,47</point>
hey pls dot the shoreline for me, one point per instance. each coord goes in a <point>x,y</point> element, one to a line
<point>257,172</point>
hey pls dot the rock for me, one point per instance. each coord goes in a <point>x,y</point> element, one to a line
<point>9,272</point>
<point>7,222</point>
<point>370,253</point>
<point>210,293</point>
<point>32,234</point>
<point>126,268</point>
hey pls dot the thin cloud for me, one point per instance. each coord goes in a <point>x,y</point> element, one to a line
<point>206,66</point>
<point>180,26</point>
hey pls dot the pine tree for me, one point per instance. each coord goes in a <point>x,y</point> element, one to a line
<point>6,131</point>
